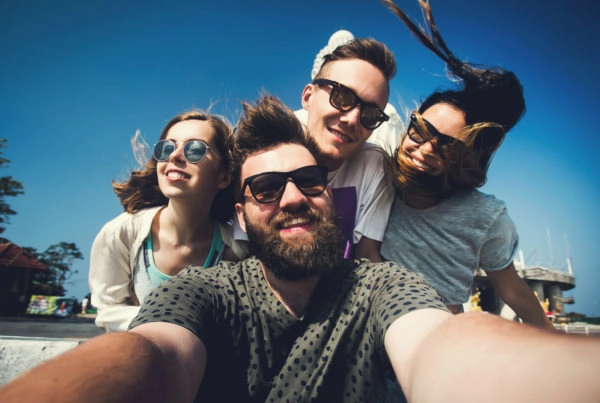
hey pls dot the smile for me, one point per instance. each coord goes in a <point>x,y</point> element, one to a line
<point>340,136</point>
<point>177,175</point>
<point>295,222</point>
<point>422,166</point>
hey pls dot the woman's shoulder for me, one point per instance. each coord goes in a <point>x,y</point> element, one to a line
<point>477,198</point>
<point>128,222</point>
<point>478,208</point>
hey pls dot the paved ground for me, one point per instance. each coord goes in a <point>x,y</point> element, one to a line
<point>72,328</point>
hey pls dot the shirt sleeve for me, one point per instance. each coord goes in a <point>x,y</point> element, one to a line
<point>375,196</point>
<point>111,276</point>
<point>501,244</point>
<point>400,292</point>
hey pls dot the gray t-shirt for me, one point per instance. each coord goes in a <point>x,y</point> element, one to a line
<point>259,352</point>
<point>447,242</point>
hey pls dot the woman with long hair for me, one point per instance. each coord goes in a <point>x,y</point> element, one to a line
<point>441,225</point>
<point>176,213</point>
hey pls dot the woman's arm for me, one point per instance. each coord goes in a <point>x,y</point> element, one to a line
<point>514,291</point>
<point>368,248</point>
<point>111,278</point>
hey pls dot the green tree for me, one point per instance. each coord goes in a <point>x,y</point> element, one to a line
<point>58,258</point>
<point>8,187</point>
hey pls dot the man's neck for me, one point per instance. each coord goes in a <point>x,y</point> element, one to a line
<point>294,295</point>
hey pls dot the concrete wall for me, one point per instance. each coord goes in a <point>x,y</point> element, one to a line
<point>19,354</point>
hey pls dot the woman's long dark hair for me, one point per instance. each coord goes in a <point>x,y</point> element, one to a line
<point>491,99</point>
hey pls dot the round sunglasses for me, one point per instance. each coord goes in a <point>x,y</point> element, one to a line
<point>444,142</point>
<point>194,151</point>
<point>344,99</point>
<point>269,187</point>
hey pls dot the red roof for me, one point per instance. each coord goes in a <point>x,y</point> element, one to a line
<point>12,255</point>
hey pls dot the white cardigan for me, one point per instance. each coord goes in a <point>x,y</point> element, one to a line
<point>113,259</point>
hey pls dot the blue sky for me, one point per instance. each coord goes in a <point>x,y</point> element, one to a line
<point>78,78</point>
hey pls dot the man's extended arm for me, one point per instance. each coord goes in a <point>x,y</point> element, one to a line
<point>155,362</point>
<point>474,357</point>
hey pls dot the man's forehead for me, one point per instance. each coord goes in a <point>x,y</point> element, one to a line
<point>361,76</point>
<point>281,158</point>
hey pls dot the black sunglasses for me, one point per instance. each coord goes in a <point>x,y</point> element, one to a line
<point>268,187</point>
<point>344,99</point>
<point>194,151</point>
<point>415,134</point>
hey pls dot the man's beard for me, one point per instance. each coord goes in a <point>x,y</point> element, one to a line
<point>317,253</point>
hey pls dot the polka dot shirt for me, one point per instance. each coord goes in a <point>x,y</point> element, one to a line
<point>259,352</point>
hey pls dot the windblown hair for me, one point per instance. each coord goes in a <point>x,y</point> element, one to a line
<point>142,191</point>
<point>265,125</point>
<point>491,99</point>
<point>464,166</point>
<point>367,49</point>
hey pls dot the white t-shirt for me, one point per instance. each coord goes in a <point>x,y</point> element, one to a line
<point>363,195</point>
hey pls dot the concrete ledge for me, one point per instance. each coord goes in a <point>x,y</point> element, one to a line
<point>19,354</point>
<point>579,328</point>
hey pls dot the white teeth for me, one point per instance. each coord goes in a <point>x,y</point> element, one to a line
<point>421,165</point>
<point>177,175</point>
<point>297,221</point>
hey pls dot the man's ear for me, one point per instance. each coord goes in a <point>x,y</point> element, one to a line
<point>306,95</point>
<point>239,210</point>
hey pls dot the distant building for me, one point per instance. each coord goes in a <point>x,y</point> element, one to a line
<point>16,270</point>
<point>548,284</point>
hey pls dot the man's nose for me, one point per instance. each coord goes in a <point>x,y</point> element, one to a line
<point>291,195</point>
<point>352,116</point>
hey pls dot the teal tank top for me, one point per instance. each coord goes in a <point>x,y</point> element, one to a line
<point>214,256</point>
